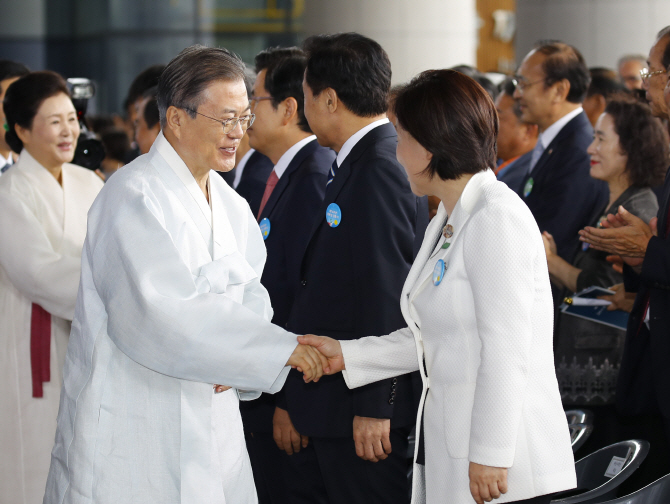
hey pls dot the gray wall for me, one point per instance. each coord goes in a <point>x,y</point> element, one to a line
<point>417,34</point>
<point>603,30</point>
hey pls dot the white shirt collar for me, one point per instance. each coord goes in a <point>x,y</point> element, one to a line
<point>240,167</point>
<point>548,135</point>
<point>179,167</point>
<point>354,139</point>
<point>288,156</point>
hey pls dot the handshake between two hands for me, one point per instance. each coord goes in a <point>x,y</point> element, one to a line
<point>316,356</point>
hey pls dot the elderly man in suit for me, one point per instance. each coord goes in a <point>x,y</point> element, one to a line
<point>359,250</point>
<point>516,138</point>
<point>289,205</point>
<point>643,388</point>
<point>551,84</point>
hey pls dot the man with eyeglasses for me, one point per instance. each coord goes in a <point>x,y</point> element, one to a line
<point>172,325</point>
<point>288,209</point>
<point>552,82</point>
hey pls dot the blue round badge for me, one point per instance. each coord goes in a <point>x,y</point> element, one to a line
<point>265,228</point>
<point>438,272</point>
<point>333,215</point>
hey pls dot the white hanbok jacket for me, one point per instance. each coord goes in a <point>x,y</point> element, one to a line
<point>490,394</point>
<point>42,230</point>
<point>170,303</point>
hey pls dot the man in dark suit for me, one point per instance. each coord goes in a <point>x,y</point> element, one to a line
<point>253,169</point>
<point>292,196</point>
<point>352,272</point>
<point>516,139</point>
<point>551,84</point>
<point>643,387</point>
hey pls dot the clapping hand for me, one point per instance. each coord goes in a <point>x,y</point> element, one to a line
<point>309,361</point>
<point>622,234</point>
<point>329,348</point>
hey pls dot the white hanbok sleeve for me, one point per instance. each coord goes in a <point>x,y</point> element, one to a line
<point>39,272</point>
<point>157,315</point>
<point>375,358</point>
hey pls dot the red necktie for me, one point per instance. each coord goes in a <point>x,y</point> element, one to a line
<point>40,348</point>
<point>269,186</point>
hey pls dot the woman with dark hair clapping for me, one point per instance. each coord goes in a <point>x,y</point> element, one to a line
<point>630,152</point>
<point>43,206</point>
<point>478,306</point>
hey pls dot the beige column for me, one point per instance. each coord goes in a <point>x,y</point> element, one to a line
<point>416,34</point>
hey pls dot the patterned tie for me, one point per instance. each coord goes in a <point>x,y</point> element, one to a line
<point>331,173</point>
<point>5,168</point>
<point>537,153</point>
<point>269,186</point>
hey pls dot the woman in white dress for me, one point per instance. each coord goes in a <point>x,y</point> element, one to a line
<point>478,306</point>
<point>43,206</point>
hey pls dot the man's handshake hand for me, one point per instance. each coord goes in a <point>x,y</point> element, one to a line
<point>328,348</point>
<point>309,362</point>
<point>316,356</point>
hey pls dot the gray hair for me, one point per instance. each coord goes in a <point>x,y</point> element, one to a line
<point>632,57</point>
<point>190,72</point>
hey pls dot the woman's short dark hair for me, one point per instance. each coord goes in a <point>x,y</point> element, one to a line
<point>356,67</point>
<point>190,72</point>
<point>641,138</point>
<point>565,62</point>
<point>23,99</point>
<point>453,118</point>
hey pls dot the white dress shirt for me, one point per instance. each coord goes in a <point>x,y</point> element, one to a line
<point>548,135</point>
<point>288,156</point>
<point>353,140</point>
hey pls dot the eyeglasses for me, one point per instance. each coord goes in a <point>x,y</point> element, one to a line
<point>257,99</point>
<point>521,85</point>
<point>229,125</point>
<point>646,74</point>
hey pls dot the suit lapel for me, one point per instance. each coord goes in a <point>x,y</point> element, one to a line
<point>285,179</point>
<point>575,123</point>
<point>344,171</point>
<point>457,220</point>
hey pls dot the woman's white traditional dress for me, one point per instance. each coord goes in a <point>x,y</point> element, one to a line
<point>42,230</point>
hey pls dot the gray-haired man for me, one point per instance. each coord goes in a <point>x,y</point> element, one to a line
<point>170,304</point>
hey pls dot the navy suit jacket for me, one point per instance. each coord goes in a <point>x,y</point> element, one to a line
<point>351,278</point>
<point>644,379</point>
<point>515,172</point>
<point>291,210</point>
<point>565,198</point>
<point>254,177</point>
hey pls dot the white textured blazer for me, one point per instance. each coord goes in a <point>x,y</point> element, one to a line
<point>490,395</point>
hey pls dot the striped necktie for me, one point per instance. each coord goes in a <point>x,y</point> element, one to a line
<point>331,173</point>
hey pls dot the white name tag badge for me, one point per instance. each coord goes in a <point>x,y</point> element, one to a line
<point>616,464</point>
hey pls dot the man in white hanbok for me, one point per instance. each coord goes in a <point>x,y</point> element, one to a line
<point>170,304</point>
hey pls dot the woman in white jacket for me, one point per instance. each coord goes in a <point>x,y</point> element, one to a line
<point>479,312</point>
<point>43,204</point>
